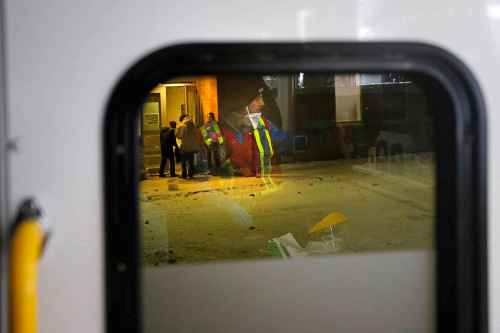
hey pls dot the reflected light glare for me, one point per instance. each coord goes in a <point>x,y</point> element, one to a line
<point>364,32</point>
<point>301,80</point>
<point>302,16</point>
<point>493,11</point>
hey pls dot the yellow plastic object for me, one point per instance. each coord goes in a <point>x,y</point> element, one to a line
<point>329,221</point>
<point>26,247</point>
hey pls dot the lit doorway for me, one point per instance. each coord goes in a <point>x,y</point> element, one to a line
<point>166,103</point>
<point>182,98</point>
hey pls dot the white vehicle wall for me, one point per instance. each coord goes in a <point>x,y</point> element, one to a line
<point>64,57</point>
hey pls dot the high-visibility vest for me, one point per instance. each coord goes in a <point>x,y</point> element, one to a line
<point>206,134</point>
<point>258,141</point>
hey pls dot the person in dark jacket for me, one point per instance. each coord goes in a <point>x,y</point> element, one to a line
<point>168,142</point>
<point>187,133</point>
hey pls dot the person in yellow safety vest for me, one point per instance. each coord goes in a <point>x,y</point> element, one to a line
<point>261,135</point>
<point>263,142</point>
<point>251,125</point>
<point>213,138</point>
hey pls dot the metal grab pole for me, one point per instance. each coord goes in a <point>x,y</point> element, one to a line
<point>27,241</point>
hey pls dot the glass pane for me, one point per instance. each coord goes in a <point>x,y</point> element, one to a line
<point>287,166</point>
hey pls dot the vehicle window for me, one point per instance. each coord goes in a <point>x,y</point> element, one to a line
<point>286,166</point>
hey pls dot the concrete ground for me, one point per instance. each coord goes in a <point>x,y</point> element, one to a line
<point>389,205</point>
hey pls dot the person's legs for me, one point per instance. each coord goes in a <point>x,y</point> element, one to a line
<point>267,165</point>
<point>209,158</point>
<point>265,154</point>
<point>191,165</point>
<point>216,153</point>
<point>162,165</point>
<point>171,160</point>
<point>213,153</point>
<point>184,158</point>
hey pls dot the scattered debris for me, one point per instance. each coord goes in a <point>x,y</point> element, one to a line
<point>287,247</point>
<point>251,227</point>
<point>160,255</point>
<point>196,192</point>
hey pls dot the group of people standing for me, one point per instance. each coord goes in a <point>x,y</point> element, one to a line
<point>245,138</point>
<point>183,142</point>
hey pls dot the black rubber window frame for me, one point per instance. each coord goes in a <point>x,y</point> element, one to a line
<point>461,252</point>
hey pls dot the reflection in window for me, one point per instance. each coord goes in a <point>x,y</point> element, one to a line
<point>285,166</point>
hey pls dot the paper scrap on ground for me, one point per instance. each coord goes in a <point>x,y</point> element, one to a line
<point>286,246</point>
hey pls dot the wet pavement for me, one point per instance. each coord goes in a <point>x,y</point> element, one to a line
<point>389,205</point>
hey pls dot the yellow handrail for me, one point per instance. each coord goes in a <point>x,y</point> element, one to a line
<point>26,244</point>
